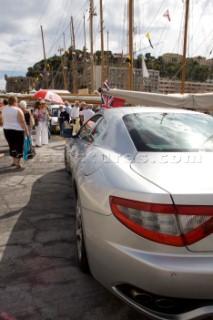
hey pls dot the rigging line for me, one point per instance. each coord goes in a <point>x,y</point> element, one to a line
<point>202,16</point>
<point>79,32</point>
<point>137,28</point>
<point>124,27</point>
<point>162,37</point>
<point>68,26</point>
<point>79,13</point>
<point>163,34</point>
<point>143,16</point>
<point>95,34</point>
<point>154,44</point>
<point>205,37</point>
<point>26,45</point>
<point>204,40</point>
<point>57,31</point>
<point>157,12</point>
<point>193,73</point>
<point>179,40</point>
<point>60,66</point>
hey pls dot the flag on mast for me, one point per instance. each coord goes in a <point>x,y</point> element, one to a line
<point>108,101</point>
<point>148,37</point>
<point>167,15</point>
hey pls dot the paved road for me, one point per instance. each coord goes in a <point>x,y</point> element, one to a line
<point>39,275</point>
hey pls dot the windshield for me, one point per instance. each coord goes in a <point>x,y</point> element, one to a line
<point>170,131</point>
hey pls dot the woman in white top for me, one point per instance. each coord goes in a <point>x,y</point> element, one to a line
<point>15,128</point>
<point>86,113</point>
<point>75,118</point>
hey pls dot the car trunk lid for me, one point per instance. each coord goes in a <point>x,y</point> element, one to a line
<point>188,179</point>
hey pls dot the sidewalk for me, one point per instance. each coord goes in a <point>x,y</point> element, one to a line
<point>52,154</point>
<point>36,229</point>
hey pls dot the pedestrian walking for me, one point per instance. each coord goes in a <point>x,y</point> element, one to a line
<point>27,115</point>
<point>15,129</point>
<point>75,118</point>
<point>62,117</point>
<point>68,109</point>
<point>42,117</point>
<point>86,113</point>
<point>4,103</point>
<point>35,112</point>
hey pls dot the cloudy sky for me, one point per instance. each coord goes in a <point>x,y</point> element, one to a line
<point>21,21</point>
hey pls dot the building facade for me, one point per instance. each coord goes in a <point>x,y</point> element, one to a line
<point>167,86</point>
<point>19,84</point>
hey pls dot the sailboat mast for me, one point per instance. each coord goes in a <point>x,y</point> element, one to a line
<point>45,60</point>
<point>108,74</point>
<point>91,45</point>
<point>131,6</point>
<point>62,67</point>
<point>74,76</point>
<point>183,77</point>
<point>64,62</point>
<point>85,56</point>
<point>102,45</point>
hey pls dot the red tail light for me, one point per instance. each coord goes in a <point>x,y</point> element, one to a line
<point>164,223</point>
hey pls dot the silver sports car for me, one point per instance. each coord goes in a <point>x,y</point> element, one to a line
<point>143,186</point>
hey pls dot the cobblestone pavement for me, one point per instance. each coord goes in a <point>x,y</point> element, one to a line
<point>39,274</point>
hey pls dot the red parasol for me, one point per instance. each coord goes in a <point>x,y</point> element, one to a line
<point>48,95</point>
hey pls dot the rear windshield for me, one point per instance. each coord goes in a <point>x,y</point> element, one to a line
<point>54,112</point>
<point>170,131</point>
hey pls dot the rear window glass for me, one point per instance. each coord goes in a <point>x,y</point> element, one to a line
<point>170,131</point>
<point>54,112</point>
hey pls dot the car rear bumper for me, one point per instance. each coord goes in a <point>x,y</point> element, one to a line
<point>117,255</point>
<point>147,275</point>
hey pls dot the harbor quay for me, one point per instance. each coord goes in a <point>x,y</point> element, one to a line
<point>39,274</point>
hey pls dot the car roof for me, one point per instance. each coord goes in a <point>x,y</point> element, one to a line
<point>55,106</point>
<point>117,137</point>
<point>121,111</point>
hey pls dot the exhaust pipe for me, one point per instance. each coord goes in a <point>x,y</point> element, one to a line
<point>141,297</point>
<point>145,298</point>
<point>165,303</point>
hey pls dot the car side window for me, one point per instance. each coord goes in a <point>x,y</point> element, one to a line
<point>85,132</point>
<point>99,129</point>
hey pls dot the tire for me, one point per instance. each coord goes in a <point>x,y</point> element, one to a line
<point>80,244</point>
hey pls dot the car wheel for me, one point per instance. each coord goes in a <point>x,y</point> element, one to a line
<point>80,245</point>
